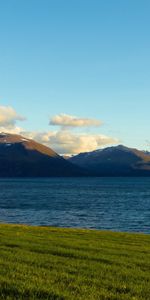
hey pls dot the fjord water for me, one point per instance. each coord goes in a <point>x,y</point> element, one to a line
<point>119,204</point>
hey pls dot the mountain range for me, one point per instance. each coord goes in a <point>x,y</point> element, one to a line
<point>114,161</point>
<point>23,157</point>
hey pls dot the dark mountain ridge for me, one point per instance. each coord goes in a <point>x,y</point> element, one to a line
<point>22,157</point>
<point>115,161</point>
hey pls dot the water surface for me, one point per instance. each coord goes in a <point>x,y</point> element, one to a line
<point>119,204</point>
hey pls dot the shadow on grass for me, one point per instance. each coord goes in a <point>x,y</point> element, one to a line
<point>8,291</point>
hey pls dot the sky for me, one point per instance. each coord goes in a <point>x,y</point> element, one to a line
<point>75,74</point>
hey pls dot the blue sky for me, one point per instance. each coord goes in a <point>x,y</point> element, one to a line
<point>89,59</point>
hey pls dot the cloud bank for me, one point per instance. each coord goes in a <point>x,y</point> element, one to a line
<point>64,140</point>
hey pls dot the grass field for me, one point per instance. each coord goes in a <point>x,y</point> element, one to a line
<point>53,263</point>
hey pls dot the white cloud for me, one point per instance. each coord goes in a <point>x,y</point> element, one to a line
<point>64,120</point>
<point>12,129</point>
<point>66,142</point>
<point>9,117</point>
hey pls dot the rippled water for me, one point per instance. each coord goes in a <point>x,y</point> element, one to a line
<point>120,204</point>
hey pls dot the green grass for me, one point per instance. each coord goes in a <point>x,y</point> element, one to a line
<point>54,263</point>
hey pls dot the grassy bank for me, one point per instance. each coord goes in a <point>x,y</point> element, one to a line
<point>58,264</point>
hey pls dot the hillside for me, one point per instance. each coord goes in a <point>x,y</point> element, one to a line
<point>115,161</point>
<point>22,157</point>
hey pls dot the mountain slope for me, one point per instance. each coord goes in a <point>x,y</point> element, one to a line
<point>115,161</point>
<point>21,157</point>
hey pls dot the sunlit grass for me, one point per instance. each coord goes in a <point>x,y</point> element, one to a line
<point>54,263</point>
